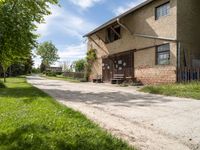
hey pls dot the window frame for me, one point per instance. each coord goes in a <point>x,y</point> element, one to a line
<point>108,38</point>
<point>156,8</point>
<point>157,54</point>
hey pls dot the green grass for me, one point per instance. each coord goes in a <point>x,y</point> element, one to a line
<point>188,90</point>
<point>60,77</point>
<point>30,119</point>
<point>2,85</point>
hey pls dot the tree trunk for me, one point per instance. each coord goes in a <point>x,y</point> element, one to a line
<point>4,76</point>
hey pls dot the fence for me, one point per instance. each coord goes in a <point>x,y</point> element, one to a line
<point>76,75</point>
<point>188,74</point>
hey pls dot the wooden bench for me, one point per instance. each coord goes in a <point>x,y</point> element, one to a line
<point>118,79</point>
<point>98,79</point>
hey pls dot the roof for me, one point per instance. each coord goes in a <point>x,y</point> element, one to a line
<point>119,17</point>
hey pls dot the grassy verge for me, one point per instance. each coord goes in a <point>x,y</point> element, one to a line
<point>2,84</point>
<point>30,119</point>
<point>190,90</point>
<point>60,77</point>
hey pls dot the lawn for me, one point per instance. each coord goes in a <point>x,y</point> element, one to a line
<point>187,90</point>
<point>30,119</point>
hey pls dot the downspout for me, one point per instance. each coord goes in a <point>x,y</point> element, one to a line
<point>178,73</point>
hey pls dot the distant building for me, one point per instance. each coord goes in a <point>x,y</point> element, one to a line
<point>54,69</point>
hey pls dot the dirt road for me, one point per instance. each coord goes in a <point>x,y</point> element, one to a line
<point>149,122</point>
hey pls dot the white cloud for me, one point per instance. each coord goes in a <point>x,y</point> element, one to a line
<point>73,52</point>
<point>127,6</point>
<point>71,25</point>
<point>67,53</point>
<point>61,21</point>
<point>85,3</point>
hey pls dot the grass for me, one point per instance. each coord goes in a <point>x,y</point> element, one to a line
<point>30,119</point>
<point>188,90</point>
<point>60,77</point>
<point>2,85</point>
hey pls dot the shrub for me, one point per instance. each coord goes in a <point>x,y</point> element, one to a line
<point>35,70</point>
<point>59,73</point>
<point>51,74</point>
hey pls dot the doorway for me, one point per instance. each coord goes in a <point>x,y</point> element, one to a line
<point>121,63</point>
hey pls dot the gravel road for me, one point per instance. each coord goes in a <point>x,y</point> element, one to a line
<point>149,122</point>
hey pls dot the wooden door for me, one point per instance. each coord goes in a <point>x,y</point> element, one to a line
<point>123,64</point>
<point>107,68</point>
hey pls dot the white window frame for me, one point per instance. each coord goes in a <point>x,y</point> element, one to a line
<point>163,50</point>
<point>162,10</point>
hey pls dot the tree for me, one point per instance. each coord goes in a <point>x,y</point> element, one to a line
<point>79,65</point>
<point>42,67</point>
<point>17,26</point>
<point>28,65</point>
<point>48,53</point>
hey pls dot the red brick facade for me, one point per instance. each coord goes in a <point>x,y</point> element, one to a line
<point>158,75</point>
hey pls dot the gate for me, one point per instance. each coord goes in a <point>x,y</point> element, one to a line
<point>188,74</point>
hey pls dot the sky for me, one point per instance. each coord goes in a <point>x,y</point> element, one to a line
<point>71,20</point>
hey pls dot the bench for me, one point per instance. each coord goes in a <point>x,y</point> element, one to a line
<point>118,79</point>
<point>98,79</point>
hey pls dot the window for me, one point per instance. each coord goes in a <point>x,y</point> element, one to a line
<point>113,34</point>
<point>162,10</point>
<point>163,54</point>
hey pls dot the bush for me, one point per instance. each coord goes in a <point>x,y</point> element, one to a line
<point>59,73</point>
<point>51,74</point>
<point>35,70</point>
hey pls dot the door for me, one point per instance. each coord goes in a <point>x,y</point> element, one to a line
<point>123,64</point>
<point>107,67</point>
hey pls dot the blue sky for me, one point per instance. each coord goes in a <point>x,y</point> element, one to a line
<point>74,18</point>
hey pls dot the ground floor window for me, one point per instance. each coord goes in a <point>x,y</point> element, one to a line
<point>163,54</point>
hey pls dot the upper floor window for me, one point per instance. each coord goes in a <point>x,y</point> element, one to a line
<point>113,34</point>
<point>163,54</point>
<point>162,10</point>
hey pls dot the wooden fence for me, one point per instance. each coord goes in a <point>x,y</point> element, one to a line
<point>188,74</point>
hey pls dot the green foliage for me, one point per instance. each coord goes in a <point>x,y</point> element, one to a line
<point>188,90</point>
<point>48,53</point>
<point>36,70</point>
<point>30,119</point>
<point>28,64</point>
<point>91,58</point>
<point>42,68</point>
<point>22,68</point>
<point>79,65</point>
<point>51,73</point>
<point>17,28</point>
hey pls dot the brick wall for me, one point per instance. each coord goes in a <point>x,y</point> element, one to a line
<point>156,75</point>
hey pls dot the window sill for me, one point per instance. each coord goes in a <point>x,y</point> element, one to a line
<point>159,65</point>
<point>112,42</point>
